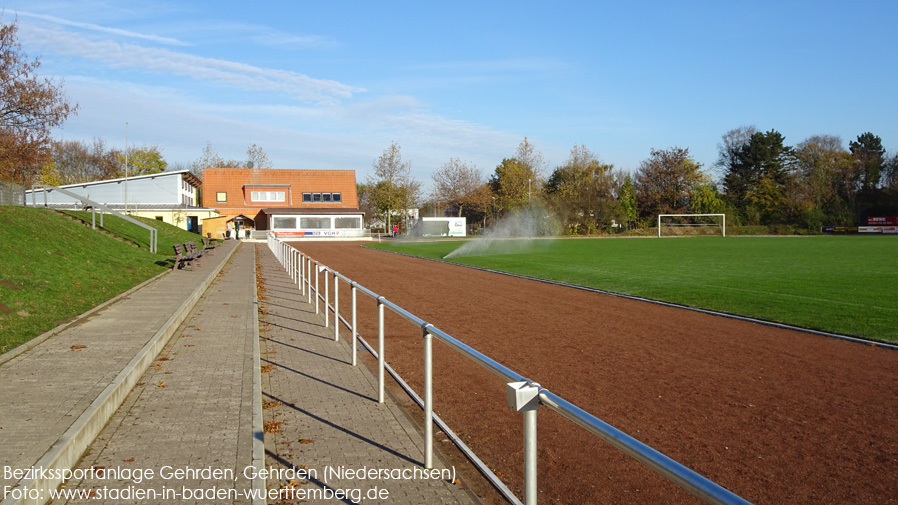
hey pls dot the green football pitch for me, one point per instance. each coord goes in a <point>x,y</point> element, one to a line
<point>843,284</point>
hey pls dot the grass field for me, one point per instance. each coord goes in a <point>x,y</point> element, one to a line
<point>846,285</point>
<point>53,268</point>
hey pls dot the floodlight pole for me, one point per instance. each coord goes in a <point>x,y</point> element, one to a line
<point>126,167</point>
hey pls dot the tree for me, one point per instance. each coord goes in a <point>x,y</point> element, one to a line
<point>869,158</point>
<point>257,157</point>
<point>665,182</point>
<point>142,161</point>
<point>758,176</point>
<point>211,159</point>
<point>392,187</point>
<point>517,179</point>
<point>30,107</point>
<point>824,192</point>
<point>581,191</point>
<point>456,183</point>
<point>730,145</point>
<point>79,162</point>
<point>626,198</point>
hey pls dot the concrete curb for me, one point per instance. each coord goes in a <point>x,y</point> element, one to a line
<point>34,342</point>
<point>259,483</point>
<point>67,450</point>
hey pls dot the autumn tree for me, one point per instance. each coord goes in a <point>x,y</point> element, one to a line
<point>78,162</point>
<point>141,161</point>
<point>30,107</point>
<point>824,192</point>
<point>581,192</point>
<point>516,180</point>
<point>456,184</point>
<point>665,182</point>
<point>392,187</point>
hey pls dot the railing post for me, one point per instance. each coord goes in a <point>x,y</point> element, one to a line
<point>355,332</point>
<point>380,349</point>
<point>327,297</point>
<point>428,398</point>
<point>316,287</point>
<point>336,308</point>
<point>308,280</point>
<point>302,274</point>
<point>524,397</point>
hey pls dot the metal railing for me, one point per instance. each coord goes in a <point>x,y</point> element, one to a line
<point>85,202</point>
<point>523,394</point>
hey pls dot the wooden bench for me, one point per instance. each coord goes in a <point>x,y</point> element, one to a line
<point>208,244</point>
<point>184,254</point>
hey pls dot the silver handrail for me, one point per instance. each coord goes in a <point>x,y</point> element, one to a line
<point>93,206</point>
<point>691,481</point>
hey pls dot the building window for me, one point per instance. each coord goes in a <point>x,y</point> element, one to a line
<point>338,197</point>
<point>221,196</point>
<point>283,223</point>
<point>307,197</point>
<point>268,196</point>
<point>326,197</point>
<point>315,223</point>
<point>159,218</point>
<point>348,223</point>
<point>316,197</point>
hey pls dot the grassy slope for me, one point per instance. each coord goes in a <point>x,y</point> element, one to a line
<point>840,284</point>
<point>62,268</point>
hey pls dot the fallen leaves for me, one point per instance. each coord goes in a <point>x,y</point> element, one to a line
<point>128,460</point>
<point>272,427</point>
<point>161,384</point>
<point>272,404</point>
<point>78,347</point>
<point>267,368</point>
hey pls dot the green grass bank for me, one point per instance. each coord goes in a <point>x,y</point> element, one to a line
<point>840,284</point>
<point>53,268</point>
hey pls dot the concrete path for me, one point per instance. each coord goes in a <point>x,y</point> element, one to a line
<point>57,395</point>
<point>323,417</point>
<point>143,408</point>
<point>192,411</point>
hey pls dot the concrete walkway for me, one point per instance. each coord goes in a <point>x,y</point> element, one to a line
<point>156,397</point>
<point>193,410</point>
<point>323,417</point>
<point>58,395</point>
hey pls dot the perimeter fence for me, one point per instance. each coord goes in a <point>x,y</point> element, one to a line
<point>523,395</point>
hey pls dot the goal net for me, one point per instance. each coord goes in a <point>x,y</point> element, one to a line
<point>692,224</point>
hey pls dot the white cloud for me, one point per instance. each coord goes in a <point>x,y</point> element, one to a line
<point>103,29</point>
<point>165,61</point>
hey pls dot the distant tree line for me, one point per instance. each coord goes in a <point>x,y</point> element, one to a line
<point>761,181</point>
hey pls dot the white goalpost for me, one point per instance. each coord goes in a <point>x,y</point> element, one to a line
<point>722,224</point>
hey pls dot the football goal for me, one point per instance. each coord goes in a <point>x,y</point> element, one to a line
<point>689,224</point>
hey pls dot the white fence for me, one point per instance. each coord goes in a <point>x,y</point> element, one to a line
<point>523,394</point>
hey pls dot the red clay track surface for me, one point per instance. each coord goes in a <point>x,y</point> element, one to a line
<point>775,416</point>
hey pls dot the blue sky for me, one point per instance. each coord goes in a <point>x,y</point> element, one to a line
<point>331,84</point>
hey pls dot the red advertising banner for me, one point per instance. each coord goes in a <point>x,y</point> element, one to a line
<point>882,221</point>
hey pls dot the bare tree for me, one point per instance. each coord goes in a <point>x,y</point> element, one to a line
<point>256,156</point>
<point>455,183</point>
<point>392,188</point>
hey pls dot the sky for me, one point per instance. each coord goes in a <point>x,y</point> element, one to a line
<point>330,85</point>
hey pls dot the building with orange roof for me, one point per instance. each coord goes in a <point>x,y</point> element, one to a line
<point>292,203</point>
